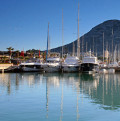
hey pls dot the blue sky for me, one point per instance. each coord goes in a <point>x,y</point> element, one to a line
<point>23,23</point>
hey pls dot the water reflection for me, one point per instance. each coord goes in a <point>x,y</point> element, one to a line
<point>103,89</point>
<point>108,92</point>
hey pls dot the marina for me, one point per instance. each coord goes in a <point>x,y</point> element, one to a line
<point>63,60</point>
<point>55,64</point>
<point>70,63</point>
<point>59,60</point>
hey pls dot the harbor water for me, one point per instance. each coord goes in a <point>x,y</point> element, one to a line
<point>59,97</point>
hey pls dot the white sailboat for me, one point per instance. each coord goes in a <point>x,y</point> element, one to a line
<point>52,64</point>
<point>114,63</point>
<point>103,64</point>
<point>71,64</point>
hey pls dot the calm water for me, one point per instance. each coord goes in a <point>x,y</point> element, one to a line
<point>59,97</point>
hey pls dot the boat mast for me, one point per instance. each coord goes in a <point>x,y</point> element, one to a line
<point>47,52</point>
<point>86,47</point>
<point>115,54</point>
<point>93,45</point>
<point>112,44</point>
<point>119,52</point>
<point>82,45</point>
<point>96,51</point>
<point>107,52</point>
<point>48,41</point>
<point>62,33</point>
<point>73,49</point>
<point>103,46</point>
<point>78,41</point>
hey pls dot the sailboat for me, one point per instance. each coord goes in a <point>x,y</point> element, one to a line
<point>53,64</point>
<point>71,63</point>
<point>114,63</point>
<point>103,64</point>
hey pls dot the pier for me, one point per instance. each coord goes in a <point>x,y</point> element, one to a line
<point>5,66</point>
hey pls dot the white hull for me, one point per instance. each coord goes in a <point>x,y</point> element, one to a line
<point>30,67</point>
<point>27,69</point>
<point>52,65</point>
<point>71,64</point>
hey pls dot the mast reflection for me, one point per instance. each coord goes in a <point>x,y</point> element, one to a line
<point>102,89</point>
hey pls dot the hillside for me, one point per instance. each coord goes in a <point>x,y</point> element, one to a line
<point>97,34</point>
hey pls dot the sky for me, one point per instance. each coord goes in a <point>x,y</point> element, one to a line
<point>24,23</point>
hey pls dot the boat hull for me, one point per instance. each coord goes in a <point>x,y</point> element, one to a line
<point>31,68</point>
<point>89,68</point>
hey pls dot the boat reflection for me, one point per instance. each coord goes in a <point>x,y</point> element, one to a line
<point>108,92</point>
<point>102,89</point>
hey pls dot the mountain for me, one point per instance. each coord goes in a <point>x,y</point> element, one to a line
<point>97,33</point>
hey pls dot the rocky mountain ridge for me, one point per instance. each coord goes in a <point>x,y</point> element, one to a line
<point>94,38</point>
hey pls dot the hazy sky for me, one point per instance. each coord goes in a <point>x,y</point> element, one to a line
<point>23,23</point>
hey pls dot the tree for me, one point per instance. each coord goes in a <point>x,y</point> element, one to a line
<point>10,49</point>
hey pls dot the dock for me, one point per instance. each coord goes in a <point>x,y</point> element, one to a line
<point>7,67</point>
